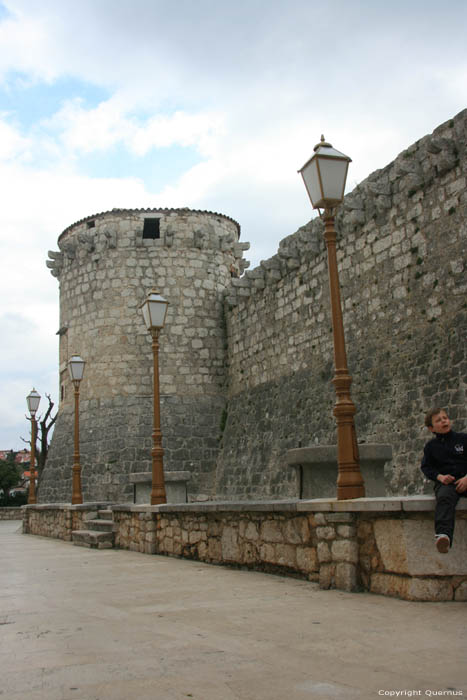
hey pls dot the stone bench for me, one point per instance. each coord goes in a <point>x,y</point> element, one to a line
<point>175,486</point>
<point>317,469</point>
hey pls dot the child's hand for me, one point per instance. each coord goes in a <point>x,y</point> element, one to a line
<point>445,478</point>
<point>461,485</point>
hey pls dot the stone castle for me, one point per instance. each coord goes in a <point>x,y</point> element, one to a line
<point>247,356</point>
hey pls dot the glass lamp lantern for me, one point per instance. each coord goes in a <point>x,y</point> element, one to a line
<point>33,401</point>
<point>154,309</point>
<point>324,175</point>
<point>76,368</point>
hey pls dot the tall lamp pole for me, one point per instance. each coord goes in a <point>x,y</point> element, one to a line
<point>76,370</point>
<point>324,175</point>
<point>154,309</point>
<point>33,401</point>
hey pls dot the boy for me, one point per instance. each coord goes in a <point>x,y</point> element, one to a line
<point>445,462</point>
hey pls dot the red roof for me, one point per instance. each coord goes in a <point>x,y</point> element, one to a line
<point>21,457</point>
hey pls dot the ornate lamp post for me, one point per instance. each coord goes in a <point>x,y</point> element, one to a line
<point>33,401</point>
<point>154,309</point>
<point>76,369</point>
<point>324,176</point>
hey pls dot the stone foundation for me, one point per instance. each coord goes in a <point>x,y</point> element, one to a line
<point>381,545</point>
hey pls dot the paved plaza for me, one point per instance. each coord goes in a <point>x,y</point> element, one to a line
<point>85,624</point>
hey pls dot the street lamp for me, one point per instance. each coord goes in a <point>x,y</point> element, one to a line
<point>76,369</point>
<point>324,175</point>
<point>33,401</point>
<point>154,309</point>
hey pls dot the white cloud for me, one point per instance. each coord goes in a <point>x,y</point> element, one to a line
<point>25,46</point>
<point>109,124</point>
<point>12,144</point>
<point>201,130</point>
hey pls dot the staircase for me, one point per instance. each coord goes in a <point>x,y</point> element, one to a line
<point>98,533</point>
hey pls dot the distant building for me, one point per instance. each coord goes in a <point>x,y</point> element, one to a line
<point>22,457</point>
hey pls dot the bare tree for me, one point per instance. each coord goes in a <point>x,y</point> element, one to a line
<point>44,426</point>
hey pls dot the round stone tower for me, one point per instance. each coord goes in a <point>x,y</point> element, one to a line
<point>106,265</point>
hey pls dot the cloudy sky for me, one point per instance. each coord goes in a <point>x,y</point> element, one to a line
<point>207,104</point>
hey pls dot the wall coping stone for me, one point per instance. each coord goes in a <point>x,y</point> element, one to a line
<point>69,506</point>
<point>380,504</point>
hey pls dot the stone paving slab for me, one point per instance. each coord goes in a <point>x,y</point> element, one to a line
<point>83,624</point>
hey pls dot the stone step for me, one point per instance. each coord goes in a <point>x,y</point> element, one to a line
<point>93,539</point>
<point>99,525</point>
<point>105,514</point>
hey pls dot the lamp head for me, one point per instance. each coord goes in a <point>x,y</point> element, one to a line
<point>76,368</point>
<point>154,309</point>
<point>324,175</point>
<point>33,401</point>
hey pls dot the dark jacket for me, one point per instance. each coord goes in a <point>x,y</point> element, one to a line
<point>445,454</point>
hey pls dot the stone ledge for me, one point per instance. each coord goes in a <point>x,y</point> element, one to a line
<point>418,503</point>
<point>68,506</point>
<point>363,505</point>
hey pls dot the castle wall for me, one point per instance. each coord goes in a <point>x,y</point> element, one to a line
<point>402,240</point>
<point>105,268</point>
<point>246,362</point>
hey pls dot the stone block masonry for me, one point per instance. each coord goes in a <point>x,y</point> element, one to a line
<point>402,253</point>
<point>11,513</point>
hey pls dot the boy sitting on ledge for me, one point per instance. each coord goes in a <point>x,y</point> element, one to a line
<point>445,462</point>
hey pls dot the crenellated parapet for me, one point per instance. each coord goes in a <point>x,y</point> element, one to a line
<point>374,202</point>
<point>90,239</point>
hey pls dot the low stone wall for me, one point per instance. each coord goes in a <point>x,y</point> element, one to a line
<point>11,513</point>
<point>57,520</point>
<point>381,545</point>
<point>135,528</point>
<point>269,541</point>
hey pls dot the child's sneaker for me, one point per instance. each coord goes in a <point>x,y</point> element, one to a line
<point>442,543</point>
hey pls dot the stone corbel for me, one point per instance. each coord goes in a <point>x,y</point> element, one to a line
<point>199,238</point>
<point>87,241</point>
<point>111,239</point>
<point>69,249</point>
<point>55,264</point>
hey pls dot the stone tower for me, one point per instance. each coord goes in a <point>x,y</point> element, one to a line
<point>105,266</point>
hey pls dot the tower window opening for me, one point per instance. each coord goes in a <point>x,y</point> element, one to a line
<point>151,228</point>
